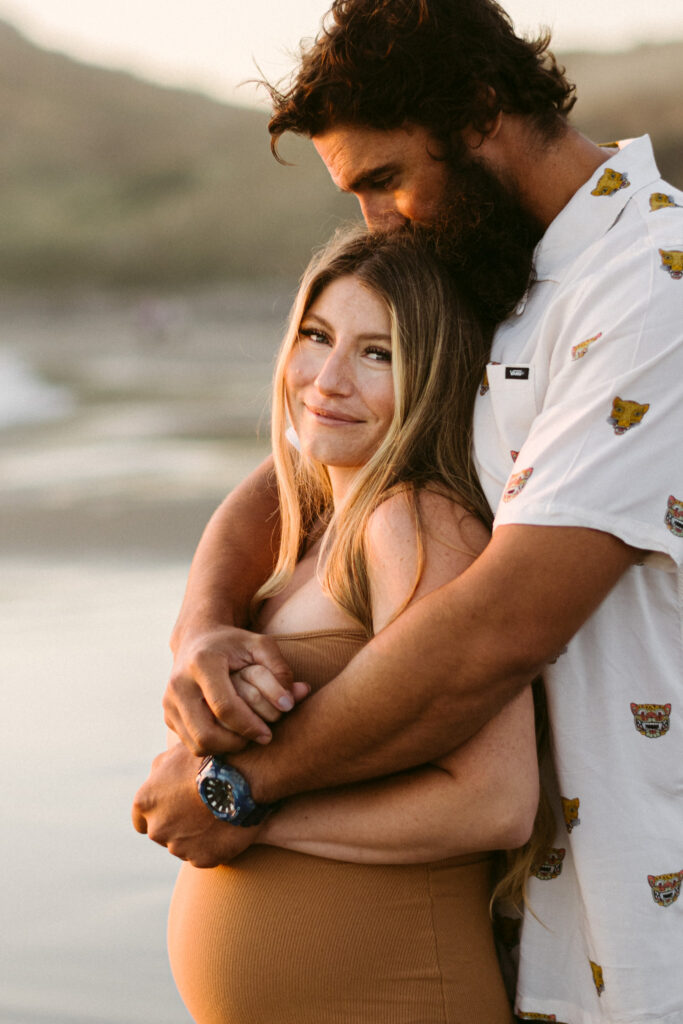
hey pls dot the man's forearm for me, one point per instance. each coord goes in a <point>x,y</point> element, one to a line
<point>233,558</point>
<point>432,678</point>
<point>394,707</point>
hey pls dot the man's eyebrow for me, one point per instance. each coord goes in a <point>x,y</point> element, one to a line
<point>368,177</point>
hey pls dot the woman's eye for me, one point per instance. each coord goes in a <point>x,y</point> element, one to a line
<point>379,355</point>
<point>314,334</point>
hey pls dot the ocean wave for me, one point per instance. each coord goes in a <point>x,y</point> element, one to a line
<point>25,397</point>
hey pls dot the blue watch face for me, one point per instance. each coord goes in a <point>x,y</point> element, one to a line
<point>220,797</point>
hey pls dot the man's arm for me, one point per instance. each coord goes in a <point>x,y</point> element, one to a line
<point>422,686</point>
<point>432,678</point>
<point>234,557</point>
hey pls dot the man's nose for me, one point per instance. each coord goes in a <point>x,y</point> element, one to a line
<point>380,212</point>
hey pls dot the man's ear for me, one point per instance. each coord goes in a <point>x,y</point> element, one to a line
<point>474,137</point>
<point>493,128</point>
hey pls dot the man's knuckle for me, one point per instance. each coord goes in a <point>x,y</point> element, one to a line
<point>207,661</point>
<point>138,818</point>
<point>176,684</point>
<point>199,737</point>
<point>198,746</point>
<point>224,705</point>
<point>157,836</point>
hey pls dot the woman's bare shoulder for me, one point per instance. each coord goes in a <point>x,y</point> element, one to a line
<point>393,524</point>
<point>404,531</point>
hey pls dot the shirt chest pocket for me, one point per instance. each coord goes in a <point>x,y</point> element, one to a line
<point>513,402</point>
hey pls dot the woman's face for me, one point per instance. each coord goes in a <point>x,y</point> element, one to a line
<point>338,378</point>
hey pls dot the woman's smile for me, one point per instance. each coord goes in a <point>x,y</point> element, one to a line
<point>331,417</point>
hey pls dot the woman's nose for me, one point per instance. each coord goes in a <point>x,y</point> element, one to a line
<point>334,376</point>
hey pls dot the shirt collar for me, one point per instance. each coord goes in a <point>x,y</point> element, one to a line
<point>592,211</point>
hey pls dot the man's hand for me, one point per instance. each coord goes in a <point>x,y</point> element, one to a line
<point>209,711</point>
<point>169,810</point>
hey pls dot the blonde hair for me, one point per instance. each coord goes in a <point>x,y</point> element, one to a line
<point>439,354</point>
<point>515,866</point>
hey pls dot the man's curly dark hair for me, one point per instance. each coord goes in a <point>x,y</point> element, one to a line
<point>441,64</point>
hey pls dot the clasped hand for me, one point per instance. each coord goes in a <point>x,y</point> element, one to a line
<point>169,810</point>
<point>226,685</point>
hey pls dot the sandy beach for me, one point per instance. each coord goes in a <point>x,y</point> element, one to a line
<point>102,501</point>
<point>84,900</point>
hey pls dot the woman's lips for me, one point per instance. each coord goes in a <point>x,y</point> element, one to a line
<point>331,415</point>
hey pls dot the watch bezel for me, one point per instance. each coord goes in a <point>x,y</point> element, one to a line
<point>246,811</point>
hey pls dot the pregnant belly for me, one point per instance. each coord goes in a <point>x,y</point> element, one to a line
<point>283,938</point>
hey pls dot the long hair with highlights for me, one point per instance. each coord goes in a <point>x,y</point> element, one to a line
<point>439,353</point>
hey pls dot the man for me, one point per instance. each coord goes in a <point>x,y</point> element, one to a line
<point>436,111</point>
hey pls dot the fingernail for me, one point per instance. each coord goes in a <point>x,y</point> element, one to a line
<point>286,703</point>
<point>263,739</point>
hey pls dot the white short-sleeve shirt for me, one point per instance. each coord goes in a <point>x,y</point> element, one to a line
<point>579,422</point>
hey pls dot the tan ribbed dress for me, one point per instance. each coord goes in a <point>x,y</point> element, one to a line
<point>285,938</point>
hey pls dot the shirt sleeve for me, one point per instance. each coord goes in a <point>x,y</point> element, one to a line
<point>605,450</point>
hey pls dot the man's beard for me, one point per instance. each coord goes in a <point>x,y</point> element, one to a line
<point>488,238</point>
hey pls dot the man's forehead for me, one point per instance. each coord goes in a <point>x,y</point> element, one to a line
<point>353,153</point>
<point>350,152</point>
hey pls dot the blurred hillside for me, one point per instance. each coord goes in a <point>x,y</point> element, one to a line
<point>107,179</point>
<point>623,95</point>
<point>110,180</point>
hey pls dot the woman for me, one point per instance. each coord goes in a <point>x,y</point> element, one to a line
<point>368,903</point>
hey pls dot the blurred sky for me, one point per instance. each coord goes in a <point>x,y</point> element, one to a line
<point>213,44</point>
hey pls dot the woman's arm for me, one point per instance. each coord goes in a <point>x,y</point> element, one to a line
<point>484,635</point>
<point>482,796</point>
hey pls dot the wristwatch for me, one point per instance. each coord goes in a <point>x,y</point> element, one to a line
<point>226,793</point>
